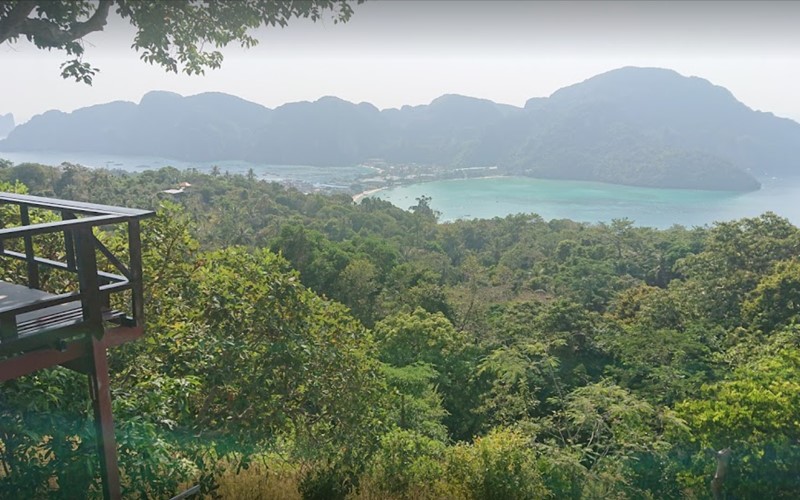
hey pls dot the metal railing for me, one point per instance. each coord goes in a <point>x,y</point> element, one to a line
<point>80,248</point>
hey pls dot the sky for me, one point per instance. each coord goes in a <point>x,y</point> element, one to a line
<point>397,52</point>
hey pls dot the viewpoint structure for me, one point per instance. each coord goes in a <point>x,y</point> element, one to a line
<point>76,327</point>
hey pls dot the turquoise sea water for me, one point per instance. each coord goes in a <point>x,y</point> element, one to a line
<point>498,197</point>
<point>594,202</point>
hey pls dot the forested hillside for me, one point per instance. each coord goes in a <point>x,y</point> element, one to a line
<point>306,346</point>
<point>635,126</point>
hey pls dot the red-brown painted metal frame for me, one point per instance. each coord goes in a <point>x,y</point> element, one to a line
<point>30,362</point>
<point>83,347</point>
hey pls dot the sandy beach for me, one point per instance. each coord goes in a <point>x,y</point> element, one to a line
<point>360,196</point>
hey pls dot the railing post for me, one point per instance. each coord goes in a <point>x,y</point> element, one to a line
<point>87,277</point>
<point>33,267</point>
<point>135,266</point>
<point>69,241</point>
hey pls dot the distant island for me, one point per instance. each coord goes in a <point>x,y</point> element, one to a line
<point>6,124</point>
<point>635,126</point>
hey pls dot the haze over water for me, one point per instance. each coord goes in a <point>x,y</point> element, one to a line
<point>485,198</point>
<point>597,202</point>
<point>320,176</point>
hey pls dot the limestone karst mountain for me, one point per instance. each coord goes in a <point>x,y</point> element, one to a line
<point>639,126</point>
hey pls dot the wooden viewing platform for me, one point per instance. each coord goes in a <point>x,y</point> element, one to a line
<point>74,327</point>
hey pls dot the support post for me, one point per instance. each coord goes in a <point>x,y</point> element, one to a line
<point>135,267</point>
<point>104,421</point>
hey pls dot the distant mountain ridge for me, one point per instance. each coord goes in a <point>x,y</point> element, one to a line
<point>637,126</point>
<point>6,124</point>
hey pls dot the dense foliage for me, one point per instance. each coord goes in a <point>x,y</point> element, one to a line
<point>179,34</point>
<point>320,348</point>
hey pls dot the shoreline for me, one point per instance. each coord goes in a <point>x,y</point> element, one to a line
<point>363,194</point>
<point>360,196</point>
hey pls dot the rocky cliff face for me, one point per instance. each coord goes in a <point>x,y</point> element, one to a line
<point>640,126</point>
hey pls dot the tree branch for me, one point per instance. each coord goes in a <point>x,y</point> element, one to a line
<point>9,27</point>
<point>48,34</point>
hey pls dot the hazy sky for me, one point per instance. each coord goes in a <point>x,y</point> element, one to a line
<point>396,52</point>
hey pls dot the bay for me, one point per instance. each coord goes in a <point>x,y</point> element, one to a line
<point>596,202</point>
<point>496,196</point>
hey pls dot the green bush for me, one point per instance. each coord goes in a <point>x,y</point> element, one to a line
<point>501,465</point>
<point>407,460</point>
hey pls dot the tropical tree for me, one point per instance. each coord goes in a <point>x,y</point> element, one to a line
<point>622,441</point>
<point>174,35</point>
<point>737,255</point>
<point>420,337</point>
<point>755,413</point>
<point>776,299</point>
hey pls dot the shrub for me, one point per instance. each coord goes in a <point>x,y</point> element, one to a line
<point>501,465</point>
